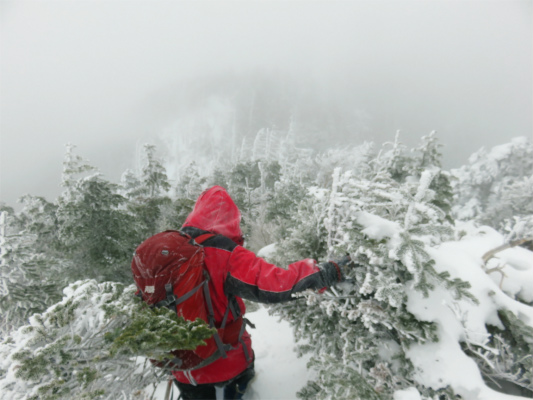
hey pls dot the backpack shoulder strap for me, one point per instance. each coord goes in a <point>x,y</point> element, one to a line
<point>202,238</point>
<point>218,241</point>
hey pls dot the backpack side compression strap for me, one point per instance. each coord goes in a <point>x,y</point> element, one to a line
<point>211,316</point>
<point>172,301</point>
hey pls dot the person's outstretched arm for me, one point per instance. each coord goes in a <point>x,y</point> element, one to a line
<point>252,278</point>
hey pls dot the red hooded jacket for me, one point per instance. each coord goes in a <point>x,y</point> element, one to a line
<point>237,273</point>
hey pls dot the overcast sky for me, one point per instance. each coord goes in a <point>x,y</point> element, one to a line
<point>92,72</point>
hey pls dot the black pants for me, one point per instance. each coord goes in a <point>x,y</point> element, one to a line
<point>233,389</point>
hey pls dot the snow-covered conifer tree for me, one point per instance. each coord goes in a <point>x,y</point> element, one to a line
<point>94,230</point>
<point>32,269</point>
<point>154,176</point>
<point>130,184</point>
<point>74,168</point>
<point>493,187</point>
<point>374,335</point>
<point>190,183</point>
<point>149,203</point>
<point>396,161</point>
<point>26,284</point>
<point>93,345</point>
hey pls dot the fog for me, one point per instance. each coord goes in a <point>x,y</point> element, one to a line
<point>111,75</point>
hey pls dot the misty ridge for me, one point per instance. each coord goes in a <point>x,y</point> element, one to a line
<point>219,116</point>
<point>217,119</point>
<point>430,291</point>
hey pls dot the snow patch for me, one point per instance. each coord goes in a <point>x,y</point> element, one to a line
<point>407,394</point>
<point>444,363</point>
<point>376,227</point>
<point>279,372</point>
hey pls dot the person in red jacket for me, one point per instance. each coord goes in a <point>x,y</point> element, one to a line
<point>237,273</point>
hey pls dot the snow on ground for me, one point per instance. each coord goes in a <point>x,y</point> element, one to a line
<point>444,363</point>
<point>279,372</point>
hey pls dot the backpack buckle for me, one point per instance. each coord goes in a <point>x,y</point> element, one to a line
<point>171,300</point>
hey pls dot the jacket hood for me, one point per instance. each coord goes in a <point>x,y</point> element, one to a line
<point>216,212</point>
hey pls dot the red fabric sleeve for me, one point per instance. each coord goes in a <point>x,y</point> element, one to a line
<point>253,278</point>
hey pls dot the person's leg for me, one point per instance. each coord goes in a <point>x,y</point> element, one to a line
<point>236,388</point>
<point>198,392</point>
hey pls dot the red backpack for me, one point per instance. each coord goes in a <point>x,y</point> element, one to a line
<point>169,271</point>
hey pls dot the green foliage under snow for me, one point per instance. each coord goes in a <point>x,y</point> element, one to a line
<point>93,344</point>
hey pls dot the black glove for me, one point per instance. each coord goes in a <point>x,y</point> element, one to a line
<point>331,273</point>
